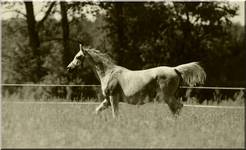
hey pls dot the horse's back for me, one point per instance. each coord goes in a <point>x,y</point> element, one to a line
<point>133,81</point>
<point>165,71</point>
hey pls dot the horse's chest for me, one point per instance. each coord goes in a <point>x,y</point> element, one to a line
<point>104,83</point>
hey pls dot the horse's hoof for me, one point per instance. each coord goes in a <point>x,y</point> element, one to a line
<point>96,112</point>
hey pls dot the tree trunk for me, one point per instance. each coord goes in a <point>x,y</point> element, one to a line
<point>66,57</point>
<point>34,41</point>
<point>65,29</point>
<point>31,25</point>
<point>120,32</point>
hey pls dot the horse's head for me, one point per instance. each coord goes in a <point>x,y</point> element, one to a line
<point>78,59</point>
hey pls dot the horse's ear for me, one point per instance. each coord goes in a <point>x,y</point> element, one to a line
<point>81,49</point>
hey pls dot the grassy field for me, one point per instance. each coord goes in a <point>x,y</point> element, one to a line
<point>149,126</point>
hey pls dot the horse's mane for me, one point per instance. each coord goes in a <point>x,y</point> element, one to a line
<point>100,57</point>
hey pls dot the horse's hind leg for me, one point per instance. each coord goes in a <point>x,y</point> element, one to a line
<point>174,104</point>
<point>168,88</point>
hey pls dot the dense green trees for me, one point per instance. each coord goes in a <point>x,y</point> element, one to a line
<point>145,35</point>
<point>136,35</point>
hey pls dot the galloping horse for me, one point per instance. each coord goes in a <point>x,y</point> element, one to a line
<point>121,84</point>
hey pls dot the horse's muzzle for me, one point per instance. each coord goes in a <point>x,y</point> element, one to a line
<point>69,69</point>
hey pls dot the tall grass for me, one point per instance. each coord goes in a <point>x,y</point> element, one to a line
<point>51,93</point>
<point>33,125</point>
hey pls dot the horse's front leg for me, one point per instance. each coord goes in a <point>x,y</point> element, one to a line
<point>105,103</point>
<point>114,105</point>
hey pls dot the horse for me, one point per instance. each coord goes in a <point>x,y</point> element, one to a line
<point>119,84</point>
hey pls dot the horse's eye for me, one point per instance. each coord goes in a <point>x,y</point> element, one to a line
<point>78,57</point>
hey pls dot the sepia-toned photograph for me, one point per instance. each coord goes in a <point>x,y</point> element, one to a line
<point>123,74</point>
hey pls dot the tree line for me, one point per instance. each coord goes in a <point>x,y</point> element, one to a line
<point>137,35</point>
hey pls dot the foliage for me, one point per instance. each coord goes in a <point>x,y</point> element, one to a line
<point>137,35</point>
<point>145,35</point>
<point>19,64</point>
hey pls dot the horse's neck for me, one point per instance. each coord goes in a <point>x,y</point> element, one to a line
<point>100,69</point>
<point>101,72</point>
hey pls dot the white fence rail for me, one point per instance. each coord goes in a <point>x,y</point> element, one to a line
<point>49,85</point>
<point>69,85</point>
<point>213,88</point>
<point>97,103</point>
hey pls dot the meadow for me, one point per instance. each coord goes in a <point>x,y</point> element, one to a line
<point>47,125</point>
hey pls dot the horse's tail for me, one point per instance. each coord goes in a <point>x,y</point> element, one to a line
<point>191,73</point>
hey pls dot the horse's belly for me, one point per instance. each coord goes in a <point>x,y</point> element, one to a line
<point>145,95</point>
<point>135,100</point>
<point>133,83</point>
